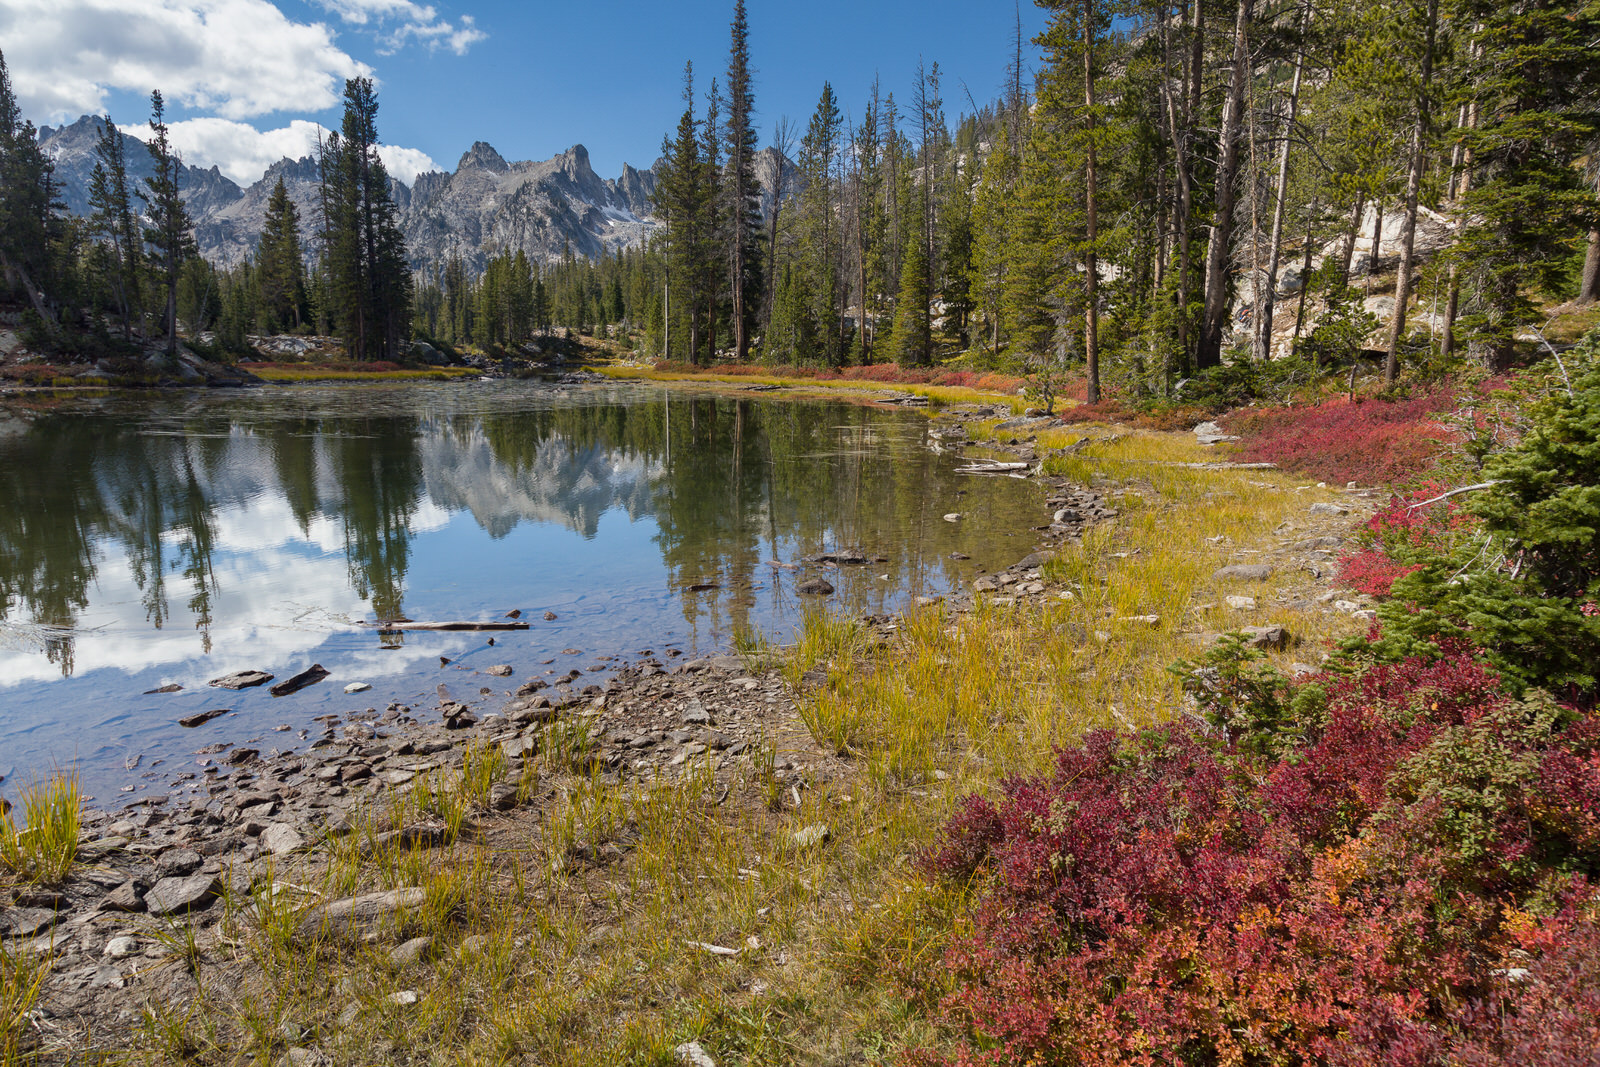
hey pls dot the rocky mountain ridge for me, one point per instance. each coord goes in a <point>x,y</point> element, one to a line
<point>487,205</point>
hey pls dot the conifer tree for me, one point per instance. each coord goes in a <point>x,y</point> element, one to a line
<point>744,192</point>
<point>25,203</point>
<point>1533,75</point>
<point>170,232</point>
<point>363,251</point>
<point>280,268</point>
<point>113,223</point>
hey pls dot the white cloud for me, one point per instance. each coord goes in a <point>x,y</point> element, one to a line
<point>243,152</point>
<point>409,21</point>
<point>405,163</point>
<point>237,58</point>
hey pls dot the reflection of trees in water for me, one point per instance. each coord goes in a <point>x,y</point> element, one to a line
<point>729,483</point>
<point>50,508</point>
<point>375,465</point>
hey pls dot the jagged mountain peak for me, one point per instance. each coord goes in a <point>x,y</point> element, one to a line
<point>482,156</point>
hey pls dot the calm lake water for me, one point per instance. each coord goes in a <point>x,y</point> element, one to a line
<point>150,541</point>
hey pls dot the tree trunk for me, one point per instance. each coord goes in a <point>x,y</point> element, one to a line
<point>1452,304</point>
<point>1264,314</point>
<point>1589,290</point>
<point>1218,247</point>
<point>1091,310</point>
<point>1408,233</point>
<point>1305,278</point>
<point>1350,238</point>
<point>1377,240</point>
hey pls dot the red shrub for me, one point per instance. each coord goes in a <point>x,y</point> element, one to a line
<point>1369,441</point>
<point>1168,897</point>
<point>1392,540</point>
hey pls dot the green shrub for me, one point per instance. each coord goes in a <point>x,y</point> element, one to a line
<point>1527,589</point>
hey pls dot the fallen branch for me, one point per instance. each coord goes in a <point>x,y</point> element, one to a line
<point>449,625</point>
<point>1455,492</point>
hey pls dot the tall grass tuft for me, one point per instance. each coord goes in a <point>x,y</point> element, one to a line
<point>43,848</point>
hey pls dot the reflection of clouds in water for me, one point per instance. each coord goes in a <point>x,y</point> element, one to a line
<point>257,589</point>
<point>557,485</point>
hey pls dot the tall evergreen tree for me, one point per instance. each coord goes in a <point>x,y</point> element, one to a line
<point>113,223</point>
<point>25,203</point>
<point>170,232</point>
<point>743,190</point>
<point>280,268</point>
<point>363,250</point>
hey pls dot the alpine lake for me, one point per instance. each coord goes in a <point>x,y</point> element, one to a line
<point>157,542</point>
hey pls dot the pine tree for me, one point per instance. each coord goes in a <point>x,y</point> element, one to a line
<point>25,203</point>
<point>281,271</point>
<point>744,192</point>
<point>170,232</point>
<point>1534,78</point>
<point>112,222</point>
<point>912,339</point>
<point>364,254</point>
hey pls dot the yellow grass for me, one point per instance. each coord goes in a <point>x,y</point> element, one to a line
<point>804,387</point>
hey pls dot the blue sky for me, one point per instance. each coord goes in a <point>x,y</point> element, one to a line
<point>246,79</point>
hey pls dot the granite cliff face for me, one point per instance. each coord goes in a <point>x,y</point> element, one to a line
<point>484,207</point>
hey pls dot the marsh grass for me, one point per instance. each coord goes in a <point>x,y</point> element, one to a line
<point>21,979</point>
<point>43,848</point>
<point>937,395</point>
<point>573,933</point>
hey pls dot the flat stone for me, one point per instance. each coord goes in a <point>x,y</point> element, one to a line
<point>359,917</point>
<point>697,715</point>
<point>357,687</point>
<point>500,670</point>
<point>1273,637</point>
<point>687,753</point>
<point>201,718</point>
<point>954,516</point>
<point>1328,509</point>
<point>985,585</point>
<point>171,895</point>
<point>241,680</point>
<point>1243,572</point>
<point>178,861</point>
<point>126,897</point>
<point>280,839</point>
<point>693,1054</point>
<point>816,587</point>
<point>310,676</point>
<point>502,796</point>
<point>1035,560</point>
<point>1241,603</point>
<point>411,951</point>
<point>405,998</point>
<point>120,948</point>
<point>27,922</point>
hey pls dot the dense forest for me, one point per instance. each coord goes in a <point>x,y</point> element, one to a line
<point>1177,187</point>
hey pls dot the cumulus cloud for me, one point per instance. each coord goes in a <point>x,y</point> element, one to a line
<point>402,21</point>
<point>243,152</point>
<point>237,58</point>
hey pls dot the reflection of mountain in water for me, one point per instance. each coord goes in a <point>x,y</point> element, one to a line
<point>557,482</point>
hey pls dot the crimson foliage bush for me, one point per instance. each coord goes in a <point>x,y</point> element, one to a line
<point>1369,441</point>
<point>1413,527</point>
<point>1352,894</point>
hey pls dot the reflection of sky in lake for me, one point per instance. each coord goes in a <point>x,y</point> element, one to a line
<point>172,540</point>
